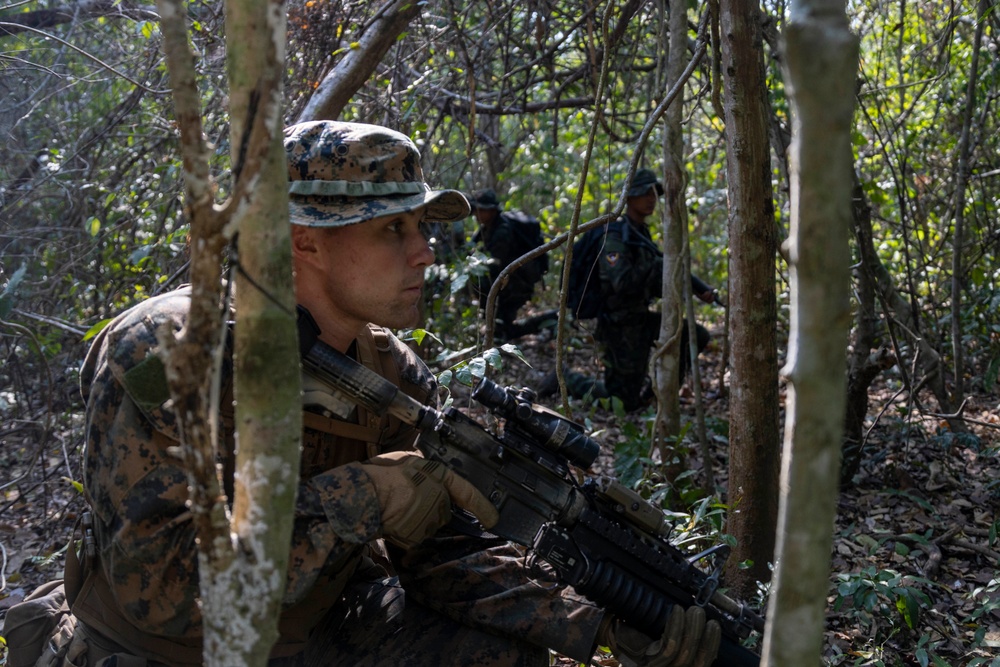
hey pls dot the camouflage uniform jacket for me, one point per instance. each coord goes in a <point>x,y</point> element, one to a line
<point>145,537</point>
<point>631,268</point>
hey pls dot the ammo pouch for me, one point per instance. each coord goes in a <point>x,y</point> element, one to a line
<point>39,625</point>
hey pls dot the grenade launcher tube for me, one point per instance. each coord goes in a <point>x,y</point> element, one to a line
<point>521,522</point>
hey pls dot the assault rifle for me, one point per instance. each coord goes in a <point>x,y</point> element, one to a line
<point>598,536</point>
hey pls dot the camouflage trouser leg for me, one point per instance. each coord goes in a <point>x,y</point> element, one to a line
<point>509,303</point>
<point>579,385</point>
<point>625,348</point>
<point>701,338</point>
<point>376,625</point>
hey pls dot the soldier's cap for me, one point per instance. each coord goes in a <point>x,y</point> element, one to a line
<point>344,173</point>
<point>643,181</point>
<point>485,199</point>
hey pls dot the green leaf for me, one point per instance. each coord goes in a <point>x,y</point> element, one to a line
<point>75,484</point>
<point>464,374</point>
<point>493,357</point>
<point>139,254</point>
<point>93,226</point>
<point>869,543</point>
<point>7,296</point>
<point>477,367</point>
<point>96,329</point>
<point>515,351</point>
<point>908,608</point>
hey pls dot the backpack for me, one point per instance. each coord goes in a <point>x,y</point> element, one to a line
<point>528,236</point>
<point>42,620</point>
<point>583,296</point>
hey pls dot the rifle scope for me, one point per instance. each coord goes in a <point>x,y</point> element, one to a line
<point>558,434</point>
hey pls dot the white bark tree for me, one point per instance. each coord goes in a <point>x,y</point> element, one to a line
<point>243,553</point>
<point>666,355</point>
<point>821,67</point>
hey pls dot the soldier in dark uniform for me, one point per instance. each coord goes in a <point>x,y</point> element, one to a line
<point>437,595</point>
<point>502,236</point>
<point>631,277</point>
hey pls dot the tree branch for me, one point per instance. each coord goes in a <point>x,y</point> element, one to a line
<point>47,18</point>
<point>365,54</point>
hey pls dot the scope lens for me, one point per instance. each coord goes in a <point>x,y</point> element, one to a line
<point>491,394</point>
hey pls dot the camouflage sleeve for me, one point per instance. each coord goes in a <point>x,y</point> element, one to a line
<point>485,583</point>
<point>699,286</point>
<point>137,487</point>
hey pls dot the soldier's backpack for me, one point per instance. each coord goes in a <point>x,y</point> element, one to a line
<point>583,297</point>
<point>528,234</point>
<point>40,620</point>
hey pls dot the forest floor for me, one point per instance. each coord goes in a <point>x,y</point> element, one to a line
<point>915,573</point>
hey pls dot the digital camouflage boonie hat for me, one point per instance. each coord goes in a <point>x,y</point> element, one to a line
<point>643,181</point>
<point>345,173</point>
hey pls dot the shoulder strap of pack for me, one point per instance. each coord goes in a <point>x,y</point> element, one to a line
<point>375,353</point>
<point>628,237</point>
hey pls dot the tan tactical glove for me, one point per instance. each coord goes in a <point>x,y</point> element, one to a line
<point>687,641</point>
<point>415,496</point>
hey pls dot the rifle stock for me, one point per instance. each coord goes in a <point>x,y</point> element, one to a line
<point>599,537</point>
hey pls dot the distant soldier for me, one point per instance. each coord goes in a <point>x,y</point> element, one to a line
<point>627,275</point>
<point>505,236</point>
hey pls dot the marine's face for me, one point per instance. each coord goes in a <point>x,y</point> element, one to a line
<point>374,271</point>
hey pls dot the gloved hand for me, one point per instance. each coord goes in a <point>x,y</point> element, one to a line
<point>415,496</point>
<point>687,641</point>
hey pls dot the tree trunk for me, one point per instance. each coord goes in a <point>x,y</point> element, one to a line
<point>242,557</point>
<point>821,68</point>
<point>899,320</point>
<point>192,358</point>
<point>865,362</point>
<point>753,423</point>
<point>266,354</point>
<point>666,358</point>
<point>360,61</point>
<point>962,171</point>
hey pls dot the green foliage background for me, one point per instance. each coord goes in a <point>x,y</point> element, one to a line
<point>91,207</point>
<point>92,218</point>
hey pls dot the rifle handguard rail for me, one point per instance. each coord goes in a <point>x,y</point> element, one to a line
<point>605,540</point>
